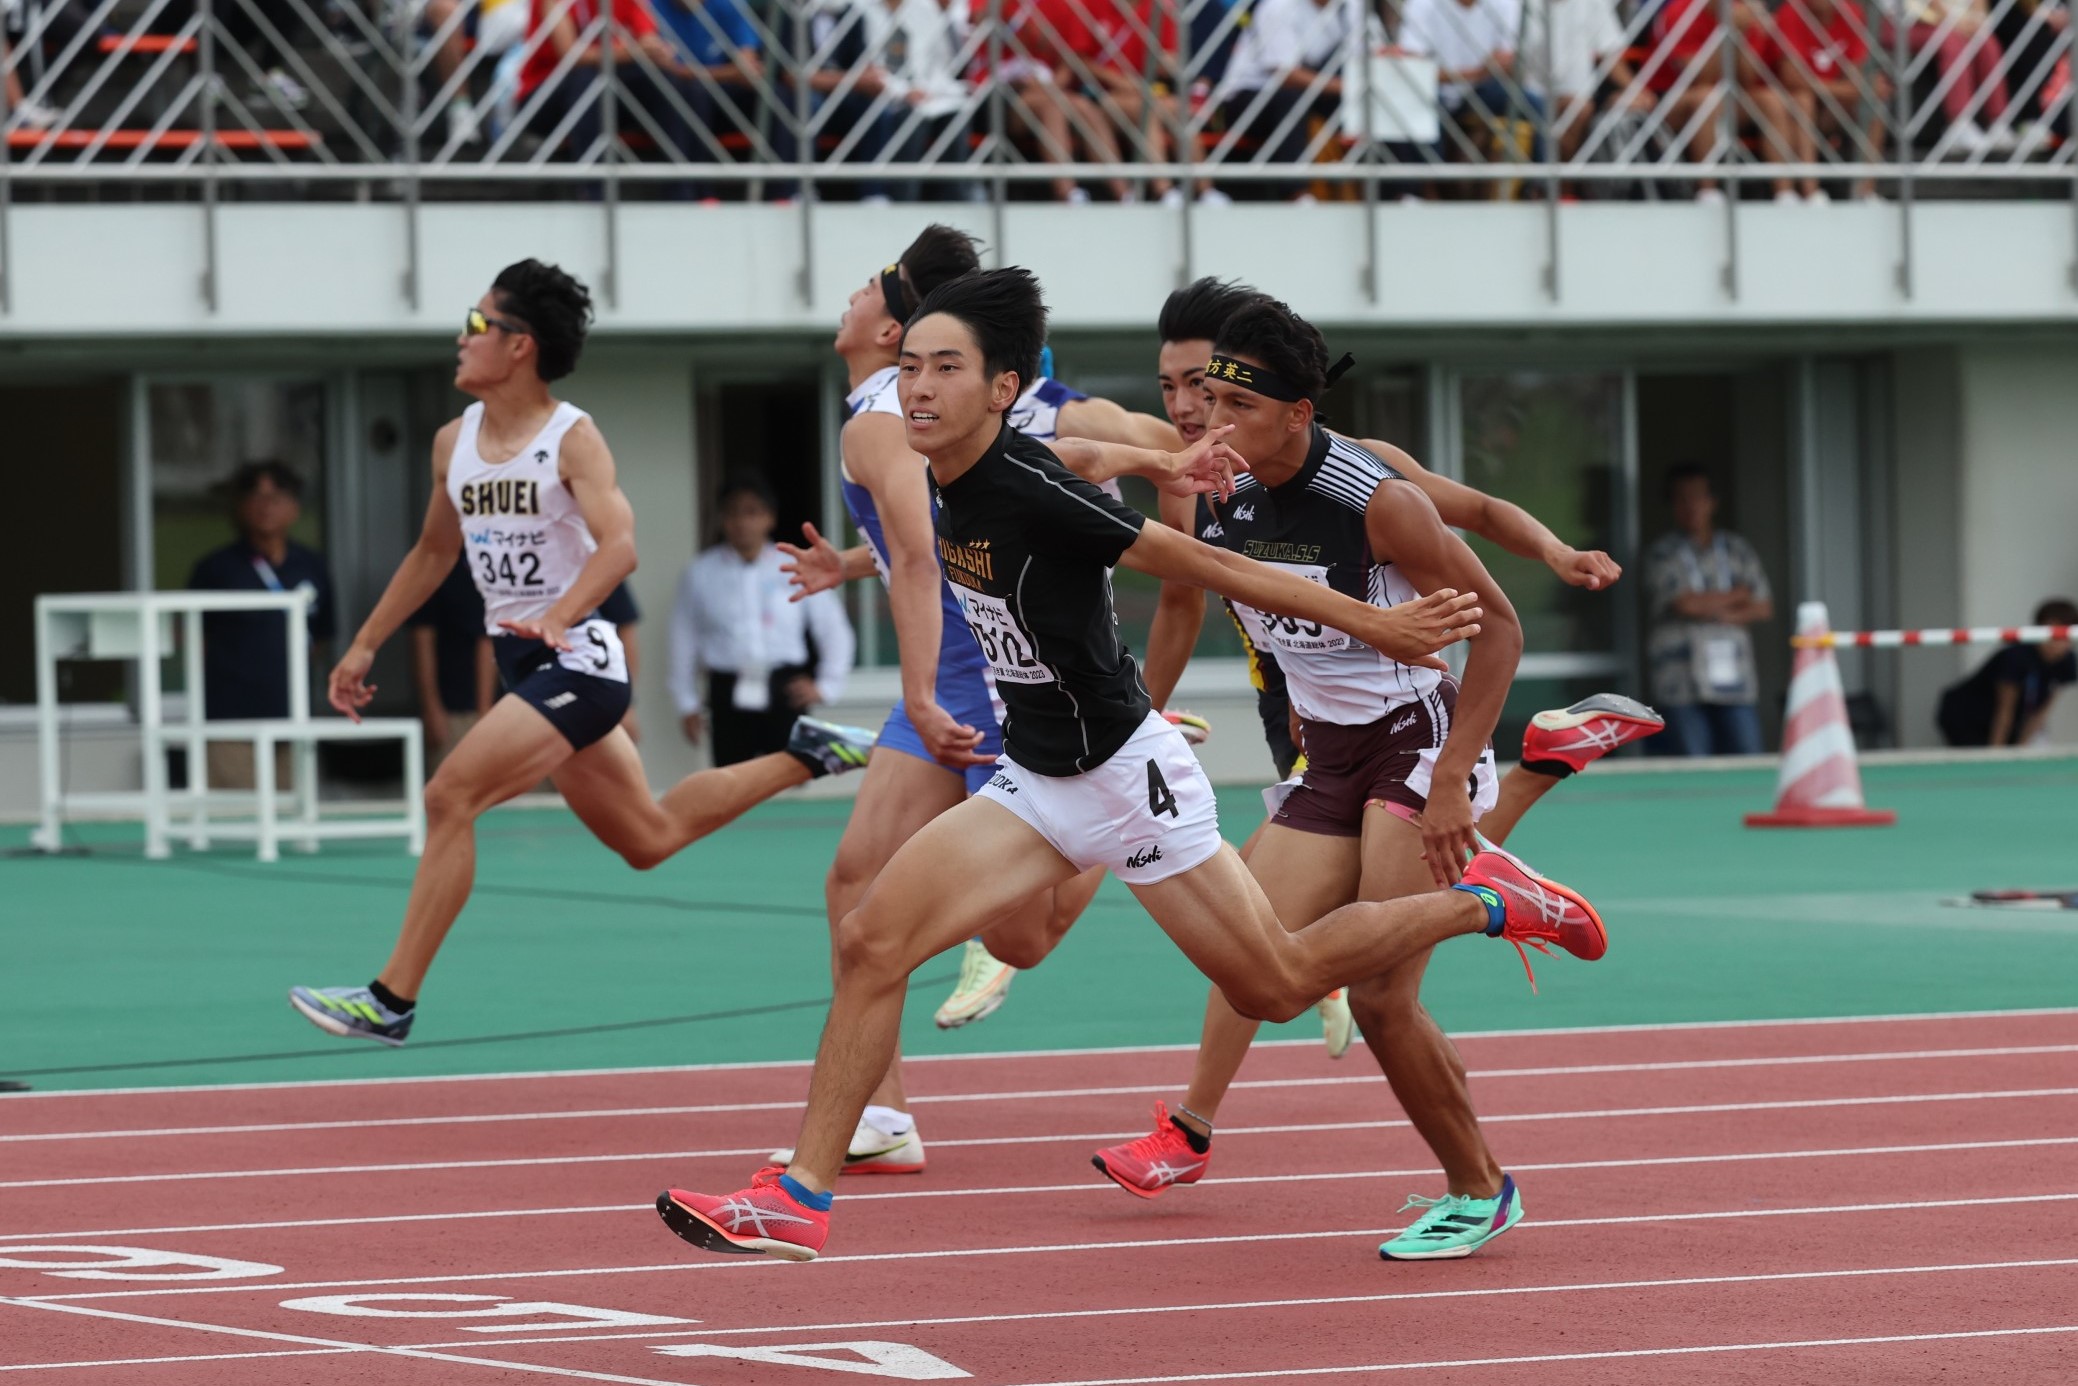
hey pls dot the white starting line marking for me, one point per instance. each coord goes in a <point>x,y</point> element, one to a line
<point>1559,1032</point>
<point>1043,1094</point>
<point>1140,1244</point>
<point>1297,1128</point>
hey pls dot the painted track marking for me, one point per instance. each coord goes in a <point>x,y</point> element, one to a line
<point>1289,1129</point>
<point>1040,1094</point>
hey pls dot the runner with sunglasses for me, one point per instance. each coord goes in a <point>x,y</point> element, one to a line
<point>524,486</point>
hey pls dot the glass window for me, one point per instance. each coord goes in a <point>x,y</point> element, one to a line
<point>1551,442</point>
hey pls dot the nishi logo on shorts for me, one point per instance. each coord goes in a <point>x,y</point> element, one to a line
<point>1146,856</point>
<point>1002,782</point>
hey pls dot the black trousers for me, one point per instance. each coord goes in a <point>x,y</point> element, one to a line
<point>741,735</point>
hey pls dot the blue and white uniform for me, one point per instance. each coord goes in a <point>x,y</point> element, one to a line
<point>965,689</point>
<point>1037,414</point>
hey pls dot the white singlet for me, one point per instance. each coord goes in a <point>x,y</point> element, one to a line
<point>522,533</point>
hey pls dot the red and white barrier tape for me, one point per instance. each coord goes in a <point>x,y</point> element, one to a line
<point>1970,635</point>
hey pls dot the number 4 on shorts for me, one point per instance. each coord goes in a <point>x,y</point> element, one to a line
<point>1159,798</point>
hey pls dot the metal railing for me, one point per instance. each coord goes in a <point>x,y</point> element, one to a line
<point>1182,101</point>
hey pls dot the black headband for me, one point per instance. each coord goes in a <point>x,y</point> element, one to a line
<point>895,292</point>
<point>1265,381</point>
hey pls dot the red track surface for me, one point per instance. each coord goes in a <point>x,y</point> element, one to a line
<point>1891,1201</point>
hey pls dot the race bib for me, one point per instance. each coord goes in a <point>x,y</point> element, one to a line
<point>1006,645</point>
<point>595,649</point>
<point>1289,635</point>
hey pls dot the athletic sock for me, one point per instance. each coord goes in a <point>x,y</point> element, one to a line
<point>398,1005</point>
<point>798,1191</point>
<point>888,1121</point>
<point>1496,911</point>
<point>1199,1144</point>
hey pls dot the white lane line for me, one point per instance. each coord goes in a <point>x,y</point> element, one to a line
<point>338,1345</point>
<point>1668,1027</point>
<point>1448,1363</point>
<point>1086,1186</point>
<point>1313,1302</point>
<point>1136,1244</point>
<point>1288,1129</point>
<point>1040,1094</point>
<point>187,1357</point>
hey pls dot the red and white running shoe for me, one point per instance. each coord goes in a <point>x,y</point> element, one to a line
<point>1561,742</point>
<point>1151,1164</point>
<point>1538,911</point>
<point>763,1218</point>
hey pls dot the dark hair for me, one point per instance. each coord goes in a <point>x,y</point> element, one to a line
<point>556,309</point>
<point>1687,471</point>
<point>248,477</point>
<point>2057,611</point>
<point>1267,332</point>
<point>939,253</point>
<point>747,484</point>
<point>1199,311</point>
<point>1005,312</point>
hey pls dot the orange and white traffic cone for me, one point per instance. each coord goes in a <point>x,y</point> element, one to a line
<point>1820,785</point>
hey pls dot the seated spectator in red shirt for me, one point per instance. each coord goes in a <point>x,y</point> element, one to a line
<point>1058,38</point>
<point>1687,68</point>
<point>558,86</point>
<point>1820,48</point>
<point>1137,91</point>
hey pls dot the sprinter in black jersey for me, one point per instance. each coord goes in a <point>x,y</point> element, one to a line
<point>1089,775</point>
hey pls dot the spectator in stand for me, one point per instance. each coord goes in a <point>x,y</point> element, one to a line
<point>1821,50</point>
<point>1706,586</point>
<point>717,43</point>
<point>1038,104</point>
<point>1568,69</point>
<point>452,667</point>
<point>571,93</point>
<point>2006,702</point>
<point>492,28</point>
<point>245,654</point>
<point>1139,93</point>
<point>22,113</point>
<point>736,619</point>
<point>926,51</point>
<point>1474,45</point>
<point>252,27</point>
<point>1970,65</point>
<point>2032,34</point>
<point>1686,69</point>
<point>1284,72</point>
<point>1063,35</point>
<point>620,608</point>
<point>856,100</point>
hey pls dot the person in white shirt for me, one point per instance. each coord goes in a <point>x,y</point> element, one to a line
<point>1585,47</point>
<point>736,620</point>
<point>1285,67</point>
<point>1474,45</point>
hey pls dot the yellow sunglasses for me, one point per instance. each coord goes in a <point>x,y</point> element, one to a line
<point>479,322</point>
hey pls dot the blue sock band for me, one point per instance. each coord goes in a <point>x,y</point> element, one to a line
<point>1496,911</point>
<point>798,1191</point>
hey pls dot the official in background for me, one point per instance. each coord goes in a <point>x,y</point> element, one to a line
<point>245,654</point>
<point>1706,586</point>
<point>2006,701</point>
<point>734,621</point>
<point>452,667</point>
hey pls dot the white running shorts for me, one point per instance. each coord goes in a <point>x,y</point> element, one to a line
<point>1146,814</point>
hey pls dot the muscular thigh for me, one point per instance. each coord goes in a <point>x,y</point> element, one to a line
<point>1220,918</point>
<point>605,787</point>
<point>960,872</point>
<point>898,794</point>
<point>506,753</point>
<point>1304,875</point>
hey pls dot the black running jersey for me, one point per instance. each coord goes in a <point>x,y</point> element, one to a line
<point>1028,549</point>
<point>1313,525</point>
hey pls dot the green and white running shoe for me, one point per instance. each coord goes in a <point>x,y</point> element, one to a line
<point>828,748</point>
<point>352,1012</point>
<point>983,985</point>
<point>1455,1226</point>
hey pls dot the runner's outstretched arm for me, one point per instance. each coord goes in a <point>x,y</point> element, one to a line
<point>1411,632</point>
<point>1179,615</point>
<point>1106,421</point>
<point>1505,523</point>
